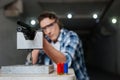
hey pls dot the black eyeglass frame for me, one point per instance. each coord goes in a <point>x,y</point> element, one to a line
<point>49,25</point>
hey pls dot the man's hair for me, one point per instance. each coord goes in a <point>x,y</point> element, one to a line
<point>50,15</point>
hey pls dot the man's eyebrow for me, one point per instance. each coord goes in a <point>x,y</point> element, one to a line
<point>50,24</point>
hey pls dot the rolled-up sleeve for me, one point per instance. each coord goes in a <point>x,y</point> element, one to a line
<point>69,47</point>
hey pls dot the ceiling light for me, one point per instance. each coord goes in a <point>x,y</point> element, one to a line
<point>69,16</point>
<point>33,22</point>
<point>95,16</point>
<point>114,20</point>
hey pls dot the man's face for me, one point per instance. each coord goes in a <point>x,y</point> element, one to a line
<point>50,28</point>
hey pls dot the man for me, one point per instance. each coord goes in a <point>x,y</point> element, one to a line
<point>60,45</point>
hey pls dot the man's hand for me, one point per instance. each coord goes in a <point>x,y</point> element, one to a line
<point>35,54</point>
<point>53,53</point>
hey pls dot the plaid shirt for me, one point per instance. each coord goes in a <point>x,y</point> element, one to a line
<point>71,47</point>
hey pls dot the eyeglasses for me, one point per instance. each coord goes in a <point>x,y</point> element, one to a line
<point>49,26</point>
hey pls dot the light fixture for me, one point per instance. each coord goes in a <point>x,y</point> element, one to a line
<point>33,22</point>
<point>114,20</point>
<point>69,16</point>
<point>95,16</point>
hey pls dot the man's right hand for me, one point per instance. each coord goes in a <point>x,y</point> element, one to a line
<point>35,54</point>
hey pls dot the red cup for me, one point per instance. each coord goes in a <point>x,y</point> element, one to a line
<point>60,68</point>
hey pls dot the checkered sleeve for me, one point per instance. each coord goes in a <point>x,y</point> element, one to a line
<point>69,46</point>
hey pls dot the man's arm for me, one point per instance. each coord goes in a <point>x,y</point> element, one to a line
<point>35,54</point>
<point>54,54</point>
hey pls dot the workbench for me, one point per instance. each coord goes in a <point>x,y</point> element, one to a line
<point>46,76</point>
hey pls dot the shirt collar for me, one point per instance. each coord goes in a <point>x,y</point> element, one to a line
<point>61,35</point>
